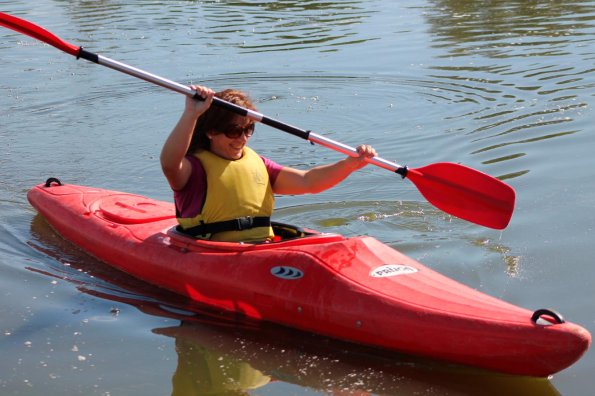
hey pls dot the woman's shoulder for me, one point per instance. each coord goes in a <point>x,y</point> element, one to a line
<point>196,164</point>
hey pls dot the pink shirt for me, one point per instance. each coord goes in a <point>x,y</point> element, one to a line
<point>190,199</point>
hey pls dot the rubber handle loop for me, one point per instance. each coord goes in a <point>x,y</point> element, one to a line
<point>547,312</point>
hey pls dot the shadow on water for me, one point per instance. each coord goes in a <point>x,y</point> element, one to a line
<point>221,354</point>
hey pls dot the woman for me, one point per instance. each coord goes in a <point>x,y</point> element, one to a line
<point>223,190</point>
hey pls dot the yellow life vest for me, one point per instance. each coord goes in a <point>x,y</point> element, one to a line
<point>235,189</point>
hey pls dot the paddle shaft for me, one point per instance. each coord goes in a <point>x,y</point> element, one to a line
<point>251,114</point>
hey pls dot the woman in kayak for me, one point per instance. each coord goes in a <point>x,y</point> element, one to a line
<point>207,147</point>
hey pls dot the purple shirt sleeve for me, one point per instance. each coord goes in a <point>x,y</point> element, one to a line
<point>273,169</point>
<point>190,199</point>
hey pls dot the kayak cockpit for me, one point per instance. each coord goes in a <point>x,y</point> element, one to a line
<point>287,235</point>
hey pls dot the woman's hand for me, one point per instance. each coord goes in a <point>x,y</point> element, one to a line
<point>365,152</point>
<point>197,107</point>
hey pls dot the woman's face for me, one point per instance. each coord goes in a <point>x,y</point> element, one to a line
<point>230,144</point>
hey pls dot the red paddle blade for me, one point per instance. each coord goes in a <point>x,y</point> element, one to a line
<point>465,193</point>
<point>37,32</point>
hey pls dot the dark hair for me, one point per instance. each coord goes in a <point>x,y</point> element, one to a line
<point>217,119</point>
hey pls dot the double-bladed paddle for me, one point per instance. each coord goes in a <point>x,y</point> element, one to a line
<point>456,189</point>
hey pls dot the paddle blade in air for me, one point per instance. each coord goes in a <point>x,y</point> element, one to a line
<point>465,193</point>
<point>37,32</point>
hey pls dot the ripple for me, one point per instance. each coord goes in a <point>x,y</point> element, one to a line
<point>248,27</point>
<point>522,73</point>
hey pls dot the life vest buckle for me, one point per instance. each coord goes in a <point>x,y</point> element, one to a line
<point>245,223</point>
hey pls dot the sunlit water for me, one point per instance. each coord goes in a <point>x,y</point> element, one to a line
<point>503,87</point>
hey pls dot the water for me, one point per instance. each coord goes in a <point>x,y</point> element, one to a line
<point>503,87</point>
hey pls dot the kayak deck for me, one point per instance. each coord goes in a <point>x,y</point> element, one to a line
<point>356,289</point>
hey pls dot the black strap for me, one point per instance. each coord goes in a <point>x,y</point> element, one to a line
<point>239,224</point>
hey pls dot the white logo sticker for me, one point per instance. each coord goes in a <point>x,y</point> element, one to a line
<point>392,270</point>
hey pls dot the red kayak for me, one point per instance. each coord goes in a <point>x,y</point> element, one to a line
<point>355,289</point>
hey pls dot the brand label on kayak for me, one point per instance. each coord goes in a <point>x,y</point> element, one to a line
<point>392,270</point>
<point>285,272</point>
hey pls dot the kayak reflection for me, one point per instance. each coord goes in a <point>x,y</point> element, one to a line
<point>221,354</point>
<point>228,360</point>
<point>204,371</point>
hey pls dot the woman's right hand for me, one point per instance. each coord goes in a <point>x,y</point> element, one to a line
<point>197,107</point>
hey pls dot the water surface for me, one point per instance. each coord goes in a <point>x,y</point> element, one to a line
<point>503,87</point>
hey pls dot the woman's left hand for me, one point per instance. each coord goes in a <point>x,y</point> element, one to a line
<point>365,152</point>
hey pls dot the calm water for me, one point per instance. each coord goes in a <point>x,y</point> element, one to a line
<point>504,87</point>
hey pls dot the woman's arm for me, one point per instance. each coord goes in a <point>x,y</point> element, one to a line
<point>174,165</point>
<point>320,178</point>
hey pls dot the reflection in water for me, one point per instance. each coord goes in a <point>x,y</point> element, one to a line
<point>204,371</point>
<point>512,261</point>
<point>289,25</point>
<point>240,359</point>
<point>245,26</point>
<point>522,67</point>
<point>509,28</point>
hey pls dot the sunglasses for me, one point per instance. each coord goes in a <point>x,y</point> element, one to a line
<point>235,131</point>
